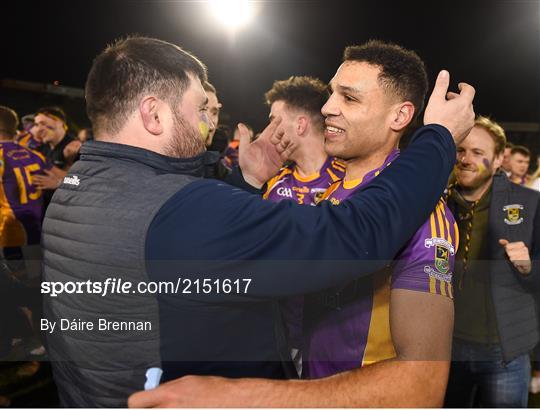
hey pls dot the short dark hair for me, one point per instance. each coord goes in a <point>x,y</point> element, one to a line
<point>402,70</point>
<point>55,112</point>
<point>508,145</point>
<point>301,92</point>
<point>9,121</point>
<point>520,149</point>
<point>131,67</point>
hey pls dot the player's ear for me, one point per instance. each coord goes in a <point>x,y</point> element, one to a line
<point>403,114</point>
<point>302,123</point>
<point>151,111</point>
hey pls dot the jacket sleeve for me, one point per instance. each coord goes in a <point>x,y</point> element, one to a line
<point>289,249</point>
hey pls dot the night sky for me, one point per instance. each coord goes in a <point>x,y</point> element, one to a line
<point>493,45</point>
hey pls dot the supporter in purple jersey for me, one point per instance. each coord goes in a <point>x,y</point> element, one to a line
<point>376,94</point>
<point>21,203</point>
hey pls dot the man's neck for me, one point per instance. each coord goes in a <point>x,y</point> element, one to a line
<point>516,179</point>
<point>310,157</point>
<point>53,144</point>
<point>357,168</point>
<point>475,194</point>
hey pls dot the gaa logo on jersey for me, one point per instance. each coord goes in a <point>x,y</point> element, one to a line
<point>513,216</point>
<point>285,192</point>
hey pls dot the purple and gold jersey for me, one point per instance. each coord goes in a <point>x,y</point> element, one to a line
<point>358,333</point>
<point>288,184</point>
<point>27,140</point>
<point>21,204</point>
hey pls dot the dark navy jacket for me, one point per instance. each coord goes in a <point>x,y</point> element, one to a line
<point>209,230</point>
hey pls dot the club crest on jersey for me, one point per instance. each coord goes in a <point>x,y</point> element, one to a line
<point>513,214</point>
<point>318,195</point>
<point>443,249</point>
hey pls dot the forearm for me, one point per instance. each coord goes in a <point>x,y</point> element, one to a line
<point>391,383</point>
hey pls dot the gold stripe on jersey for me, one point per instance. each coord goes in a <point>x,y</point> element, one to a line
<point>379,344</point>
<point>339,165</point>
<point>442,285</point>
<point>432,285</point>
<point>332,175</point>
<point>432,225</point>
<point>330,190</point>
<point>447,223</point>
<point>270,184</point>
<point>12,232</point>
<point>441,223</point>
<point>456,236</point>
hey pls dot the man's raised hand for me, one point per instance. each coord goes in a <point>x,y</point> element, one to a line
<point>451,110</point>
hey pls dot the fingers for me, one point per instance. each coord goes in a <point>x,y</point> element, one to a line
<point>287,152</point>
<point>245,137</point>
<point>441,86</point>
<point>277,136</point>
<point>271,129</point>
<point>512,246</point>
<point>450,95</point>
<point>143,399</point>
<point>466,91</point>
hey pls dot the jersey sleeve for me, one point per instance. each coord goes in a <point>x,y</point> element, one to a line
<point>426,263</point>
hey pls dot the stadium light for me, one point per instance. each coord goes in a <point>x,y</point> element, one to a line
<point>233,14</point>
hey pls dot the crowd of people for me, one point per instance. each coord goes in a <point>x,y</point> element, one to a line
<point>411,277</point>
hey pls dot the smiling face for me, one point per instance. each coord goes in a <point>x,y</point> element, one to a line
<point>48,129</point>
<point>476,160</point>
<point>358,112</point>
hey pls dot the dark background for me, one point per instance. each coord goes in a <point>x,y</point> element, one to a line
<point>493,45</point>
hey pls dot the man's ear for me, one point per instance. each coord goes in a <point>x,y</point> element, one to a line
<point>302,123</point>
<point>403,114</point>
<point>150,109</point>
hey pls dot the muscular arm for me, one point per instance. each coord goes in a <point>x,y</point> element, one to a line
<point>421,325</point>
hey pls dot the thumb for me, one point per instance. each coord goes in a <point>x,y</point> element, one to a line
<point>441,86</point>
<point>503,242</point>
<point>245,138</point>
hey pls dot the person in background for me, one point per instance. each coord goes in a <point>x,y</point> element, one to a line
<point>25,137</point>
<point>520,158</point>
<point>213,109</point>
<point>496,277</point>
<point>505,167</point>
<point>59,148</point>
<point>232,152</point>
<point>85,134</point>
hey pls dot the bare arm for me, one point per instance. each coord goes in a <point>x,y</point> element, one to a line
<point>421,326</point>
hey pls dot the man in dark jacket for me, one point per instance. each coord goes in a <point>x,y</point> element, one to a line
<point>133,217</point>
<point>494,282</point>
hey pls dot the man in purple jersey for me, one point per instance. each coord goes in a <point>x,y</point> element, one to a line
<point>401,320</point>
<point>21,204</point>
<point>298,101</point>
